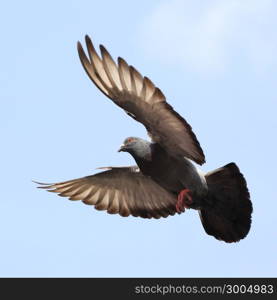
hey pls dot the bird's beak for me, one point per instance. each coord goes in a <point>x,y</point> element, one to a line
<point>122,148</point>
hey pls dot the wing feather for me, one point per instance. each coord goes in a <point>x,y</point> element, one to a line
<point>137,81</point>
<point>124,74</point>
<point>110,68</point>
<point>93,70</point>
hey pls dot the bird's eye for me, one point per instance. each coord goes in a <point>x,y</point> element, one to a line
<point>130,140</point>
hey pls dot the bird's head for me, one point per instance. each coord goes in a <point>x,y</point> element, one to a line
<point>137,147</point>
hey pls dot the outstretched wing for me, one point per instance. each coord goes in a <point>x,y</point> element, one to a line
<point>142,100</point>
<point>124,190</point>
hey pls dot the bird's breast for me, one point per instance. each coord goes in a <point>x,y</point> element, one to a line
<point>175,174</point>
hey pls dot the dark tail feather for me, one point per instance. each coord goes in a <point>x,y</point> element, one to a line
<point>228,216</point>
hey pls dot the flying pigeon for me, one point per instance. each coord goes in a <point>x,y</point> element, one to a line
<point>165,180</point>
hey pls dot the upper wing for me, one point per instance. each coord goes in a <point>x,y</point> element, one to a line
<point>139,97</point>
<point>123,190</point>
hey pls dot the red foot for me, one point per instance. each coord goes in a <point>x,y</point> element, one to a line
<point>184,201</point>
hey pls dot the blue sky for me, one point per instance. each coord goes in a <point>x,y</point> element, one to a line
<point>216,63</point>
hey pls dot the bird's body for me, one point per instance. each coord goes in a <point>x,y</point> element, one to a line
<point>172,173</point>
<point>165,180</point>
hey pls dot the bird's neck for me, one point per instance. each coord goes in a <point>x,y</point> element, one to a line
<point>144,158</point>
<point>143,164</point>
<point>143,155</point>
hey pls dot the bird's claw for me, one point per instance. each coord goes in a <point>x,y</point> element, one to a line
<point>184,201</point>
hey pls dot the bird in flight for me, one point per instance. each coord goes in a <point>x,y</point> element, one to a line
<point>164,181</point>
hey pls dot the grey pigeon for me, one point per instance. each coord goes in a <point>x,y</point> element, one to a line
<point>165,181</point>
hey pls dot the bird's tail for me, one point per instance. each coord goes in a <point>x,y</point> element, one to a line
<point>228,215</point>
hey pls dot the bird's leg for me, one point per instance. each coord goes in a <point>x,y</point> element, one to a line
<point>184,200</point>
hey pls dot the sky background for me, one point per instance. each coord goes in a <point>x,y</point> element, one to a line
<point>216,63</point>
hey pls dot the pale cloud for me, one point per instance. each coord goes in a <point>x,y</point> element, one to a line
<point>211,36</point>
